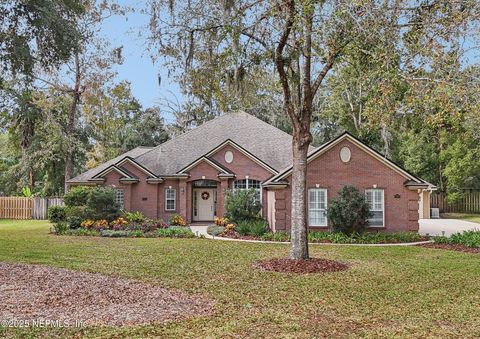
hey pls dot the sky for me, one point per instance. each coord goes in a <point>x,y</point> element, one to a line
<point>138,67</point>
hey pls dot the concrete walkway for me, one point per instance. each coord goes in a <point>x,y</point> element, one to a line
<point>446,227</point>
<point>202,230</point>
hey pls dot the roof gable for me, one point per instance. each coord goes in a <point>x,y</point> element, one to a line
<point>110,169</point>
<point>130,160</point>
<point>85,177</point>
<point>347,136</point>
<point>212,163</point>
<point>244,152</point>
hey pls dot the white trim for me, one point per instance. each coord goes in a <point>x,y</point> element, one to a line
<point>322,149</point>
<point>373,202</point>
<point>175,176</point>
<point>128,180</point>
<point>199,160</point>
<point>174,199</point>
<point>247,182</point>
<point>196,192</point>
<point>271,210</point>
<point>117,191</point>
<point>324,210</point>
<point>134,163</point>
<point>154,181</point>
<point>244,152</point>
<point>112,168</point>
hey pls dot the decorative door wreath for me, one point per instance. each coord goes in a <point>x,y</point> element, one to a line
<point>205,195</point>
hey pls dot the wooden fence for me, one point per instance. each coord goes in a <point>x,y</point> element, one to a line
<point>469,203</point>
<point>41,205</point>
<point>16,208</point>
<point>26,208</point>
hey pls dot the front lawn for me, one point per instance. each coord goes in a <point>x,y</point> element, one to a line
<point>462,216</point>
<point>387,291</point>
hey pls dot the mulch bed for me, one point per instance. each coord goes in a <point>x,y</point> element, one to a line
<point>312,265</point>
<point>453,247</point>
<point>42,293</point>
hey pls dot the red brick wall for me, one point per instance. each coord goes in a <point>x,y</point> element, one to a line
<point>162,214</point>
<point>362,171</point>
<point>143,195</point>
<point>243,166</point>
<point>138,197</point>
<point>112,179</point>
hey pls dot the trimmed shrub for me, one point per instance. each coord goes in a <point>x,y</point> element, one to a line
<point>349,211</point>
<point>56,214</point>
<point>215,230</point>
<point>101,204</point>
<point>75,215</point>
<point>242,205</point>
<point>255,228</point>
<point>77,196</point>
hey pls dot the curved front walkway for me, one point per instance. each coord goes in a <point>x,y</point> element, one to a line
<point>202,230</point>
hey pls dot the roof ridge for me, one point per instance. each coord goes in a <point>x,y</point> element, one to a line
<point>266,123</point>
<point>187,132</point>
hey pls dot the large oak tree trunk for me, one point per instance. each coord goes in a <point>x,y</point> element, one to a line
<point>76,93</point>
<point>299,248</point>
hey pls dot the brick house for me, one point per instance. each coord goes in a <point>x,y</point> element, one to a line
<point>191,173</point>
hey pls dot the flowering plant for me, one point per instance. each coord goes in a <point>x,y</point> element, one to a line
<point>221,221</point>
<point>177,220</point>
<point>87,223</point>
<point>101,224</point>
<point>119,222</point>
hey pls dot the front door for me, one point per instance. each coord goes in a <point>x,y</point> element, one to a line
<point>204,204</point>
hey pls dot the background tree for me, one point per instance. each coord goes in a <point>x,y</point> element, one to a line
<point>116,122</point>
<point>36,33</point>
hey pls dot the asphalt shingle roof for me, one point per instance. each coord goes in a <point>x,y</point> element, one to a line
<point>134,153</point>
<point>264,141</point>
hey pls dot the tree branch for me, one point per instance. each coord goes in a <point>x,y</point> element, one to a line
<point>326,68</point>
<point>280,63</point>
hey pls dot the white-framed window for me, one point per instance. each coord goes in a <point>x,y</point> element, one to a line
<point>120,198</point>
<point>375,199</point>
<point>246,184</point>
<point>317,205</point>
<point>170,199</point>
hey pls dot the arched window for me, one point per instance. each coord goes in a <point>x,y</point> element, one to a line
<point>246,184</point>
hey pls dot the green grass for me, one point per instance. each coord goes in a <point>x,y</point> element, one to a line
<point>388,292</point>
<point>462,216</point>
